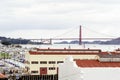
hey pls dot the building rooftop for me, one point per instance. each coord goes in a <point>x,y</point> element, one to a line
<point>49,49</point>
<point>64,51</point>
<point>2,76</point>
<point>96,63</point>
<point>109,56</point>
<point>75,52</point>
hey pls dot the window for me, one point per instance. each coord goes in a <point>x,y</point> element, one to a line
<point>43,62</point>
<point>34,71</point>
<point>51,68</point>
<point>34,62</point>
<point>51,62</point>
<point>59,62</point>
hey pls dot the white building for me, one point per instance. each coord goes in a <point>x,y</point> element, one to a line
<point>70,71</point>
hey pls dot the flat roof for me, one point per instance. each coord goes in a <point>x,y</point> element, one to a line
<point>110,56</point>
<point>96,63</point>
<point>64,51</point>
<point>61,53</point>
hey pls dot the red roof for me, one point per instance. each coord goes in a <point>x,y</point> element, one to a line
<point>96,63</point>
<point>60,53</point>
<point>2,76</point>
<point>65,51</point>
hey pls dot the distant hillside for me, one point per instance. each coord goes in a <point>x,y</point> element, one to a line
<point>63,42</point>
<point>3,38</point>
<point>25,41</point>
<point>15,41</point>
<point>113,41</point>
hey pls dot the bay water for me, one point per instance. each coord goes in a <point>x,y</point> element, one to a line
<point>75,46</point>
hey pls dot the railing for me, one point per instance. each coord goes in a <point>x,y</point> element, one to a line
<point>39,77</point>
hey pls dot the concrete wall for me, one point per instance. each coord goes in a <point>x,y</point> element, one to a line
<point>109,59</point>
<point>101,73</point>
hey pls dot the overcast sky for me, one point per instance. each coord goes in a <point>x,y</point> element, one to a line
<point>61,18</point>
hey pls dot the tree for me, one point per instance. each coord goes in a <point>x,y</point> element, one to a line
<point>5,42</point>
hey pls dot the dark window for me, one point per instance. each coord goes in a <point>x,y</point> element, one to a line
<point>51,68</point>
<point>59,62</point>
<point>34,62</point>
<point>51,62</point>
<point>43,62</point>
<point>34,71</point>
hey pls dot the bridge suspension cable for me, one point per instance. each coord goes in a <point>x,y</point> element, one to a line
<point>66,32</point>
<point>100,33</point>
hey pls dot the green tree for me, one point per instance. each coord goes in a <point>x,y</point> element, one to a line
<point>5,42</point>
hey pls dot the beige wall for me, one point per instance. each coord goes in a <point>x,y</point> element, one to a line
<point>51,58</point>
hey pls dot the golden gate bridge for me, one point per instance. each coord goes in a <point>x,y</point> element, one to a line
<point>80,38</point>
